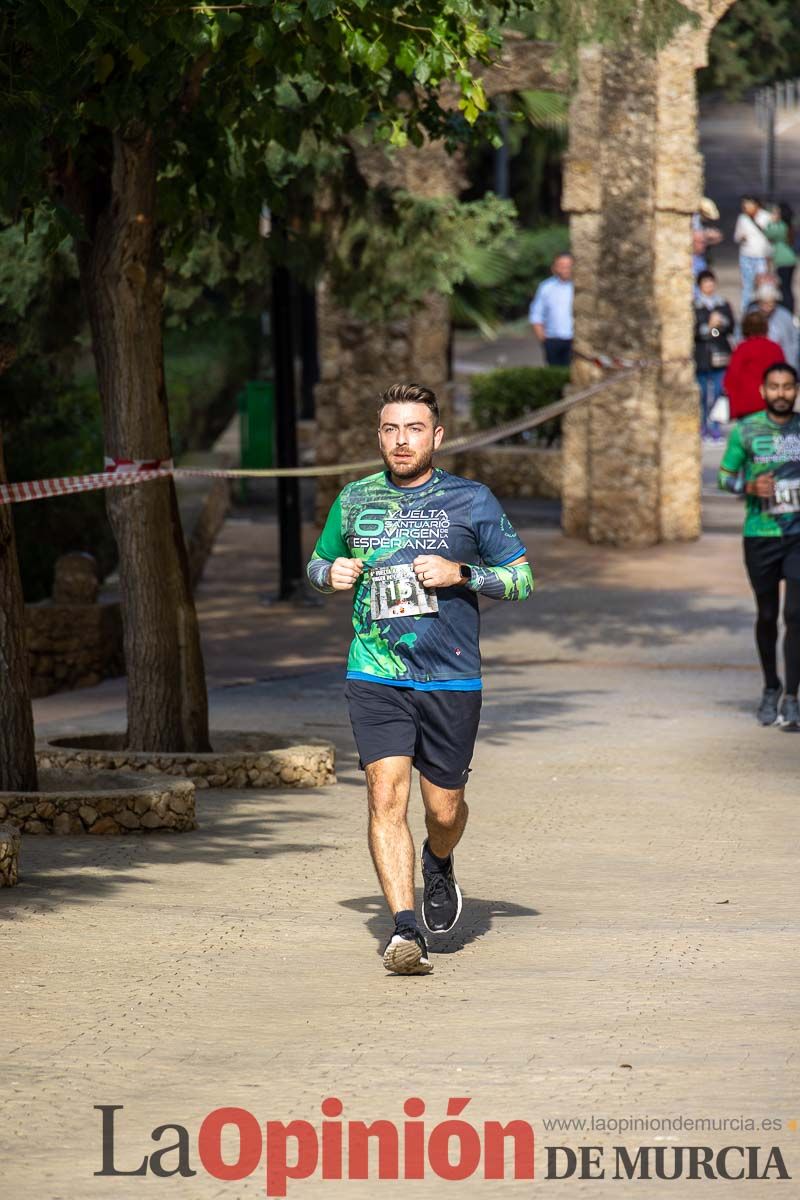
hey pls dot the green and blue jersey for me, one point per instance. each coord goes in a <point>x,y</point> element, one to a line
<point>404,636</point>
<point>757,445</point>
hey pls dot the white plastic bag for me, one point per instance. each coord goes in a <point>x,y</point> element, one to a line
<point>720,410</point>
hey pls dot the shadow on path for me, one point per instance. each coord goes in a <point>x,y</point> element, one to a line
<point>582,616</point>
<point>81,869</point>
<point>476,920</point>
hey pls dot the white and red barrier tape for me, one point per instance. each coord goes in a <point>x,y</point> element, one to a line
<point>123,472</point>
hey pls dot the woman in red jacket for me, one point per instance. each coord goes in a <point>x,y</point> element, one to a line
<point>747,366</point>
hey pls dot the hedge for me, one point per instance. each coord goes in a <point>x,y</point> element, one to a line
<point>511,392</point>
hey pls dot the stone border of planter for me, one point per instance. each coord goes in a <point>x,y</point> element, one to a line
<point>239,760</point>
<point>9,855</point>
<point>83,801</point>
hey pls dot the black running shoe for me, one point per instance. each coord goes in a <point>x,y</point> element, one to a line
<point>789,716</point>
<point>767,712</point>
<point>407,954</point>
<point>441,899</point>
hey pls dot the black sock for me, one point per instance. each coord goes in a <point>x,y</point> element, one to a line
<point>432,862</point>
<point>405,921</point>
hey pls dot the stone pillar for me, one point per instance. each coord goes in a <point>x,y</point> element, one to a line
<point>359,359</point>
<point>632,466</point>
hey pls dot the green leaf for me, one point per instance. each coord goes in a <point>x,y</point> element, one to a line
<point>358,46</point>
<point>406,57</point>
<point>287,96</point>
<point>422,71</point>
<point>229,22</point>
<point>137,56</point>
<point>103,67</point>
<point>470,110</point>
<point>398,136</point>
<point>321,8</point>
<point>264,37</point>
<point>312,88</point>
<point>376,56</point>
<point>286,16</point>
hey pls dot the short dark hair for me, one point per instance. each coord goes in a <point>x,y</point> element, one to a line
<point>706,274</point>
<point>563,254</point>
<point>748,196</point>
<point>785,369</point>
<point>410,393</point>
<point>755,324</point>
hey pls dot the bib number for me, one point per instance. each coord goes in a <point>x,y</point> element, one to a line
<point>396,592</point>
<point>787,497</point>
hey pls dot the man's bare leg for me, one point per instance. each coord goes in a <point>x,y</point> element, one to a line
<point>392,850</point>
<point>446,814</point>
<point>390,842</point>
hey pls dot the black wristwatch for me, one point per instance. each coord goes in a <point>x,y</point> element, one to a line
<point>466,572</point>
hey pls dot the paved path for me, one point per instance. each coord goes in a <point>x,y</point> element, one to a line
<point>628,939</point>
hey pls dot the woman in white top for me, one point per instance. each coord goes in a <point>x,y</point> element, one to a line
<point>755,247</point>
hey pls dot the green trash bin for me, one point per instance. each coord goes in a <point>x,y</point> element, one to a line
<point>257,426</point>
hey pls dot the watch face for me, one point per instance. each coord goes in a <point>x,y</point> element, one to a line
<point>466,573</point>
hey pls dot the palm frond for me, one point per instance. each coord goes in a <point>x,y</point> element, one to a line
<point>546,110</point>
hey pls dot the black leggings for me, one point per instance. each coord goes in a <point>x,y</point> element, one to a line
<point>768,604</point>
<point>787,295</point>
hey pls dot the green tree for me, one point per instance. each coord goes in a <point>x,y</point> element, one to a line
<point>122,123</point>
<point>756,42</point>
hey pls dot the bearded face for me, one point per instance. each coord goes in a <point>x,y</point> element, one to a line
<point>408,437</point>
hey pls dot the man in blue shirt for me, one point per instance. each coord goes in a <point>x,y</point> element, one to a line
<point>416,546</point>
<point>550,312</point>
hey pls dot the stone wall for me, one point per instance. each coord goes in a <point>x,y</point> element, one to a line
<point>359,359</point>
<point>512,472</point>
<point>74,641</point>
<point>238,760</point>
<point>73,646</point>
<point>71,802</point>
<point>9,855</point>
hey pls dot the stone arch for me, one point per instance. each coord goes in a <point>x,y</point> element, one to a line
<point>633,178</point>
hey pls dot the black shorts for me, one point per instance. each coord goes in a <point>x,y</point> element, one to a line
<point>436,730</point>
<point>771,559</point>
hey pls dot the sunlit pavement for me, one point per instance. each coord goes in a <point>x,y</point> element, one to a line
<point>628,935</point>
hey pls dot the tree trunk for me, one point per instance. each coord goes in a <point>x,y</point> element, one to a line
<point>17,757</point>
<point>122,281</point>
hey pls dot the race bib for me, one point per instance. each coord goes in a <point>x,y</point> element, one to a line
<point>396,592</point>
<point>787,497</point>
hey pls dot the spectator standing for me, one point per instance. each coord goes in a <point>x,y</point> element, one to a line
<point>750,359</point>
<point>781,235</point>
<point>550,312</point>
<point>713,324</point>
<point>705,234</point>
<point>755,248</point>
<point>781,326</point>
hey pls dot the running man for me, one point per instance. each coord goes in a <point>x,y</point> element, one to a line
<point>762,459</point>
<point>417,544</point>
